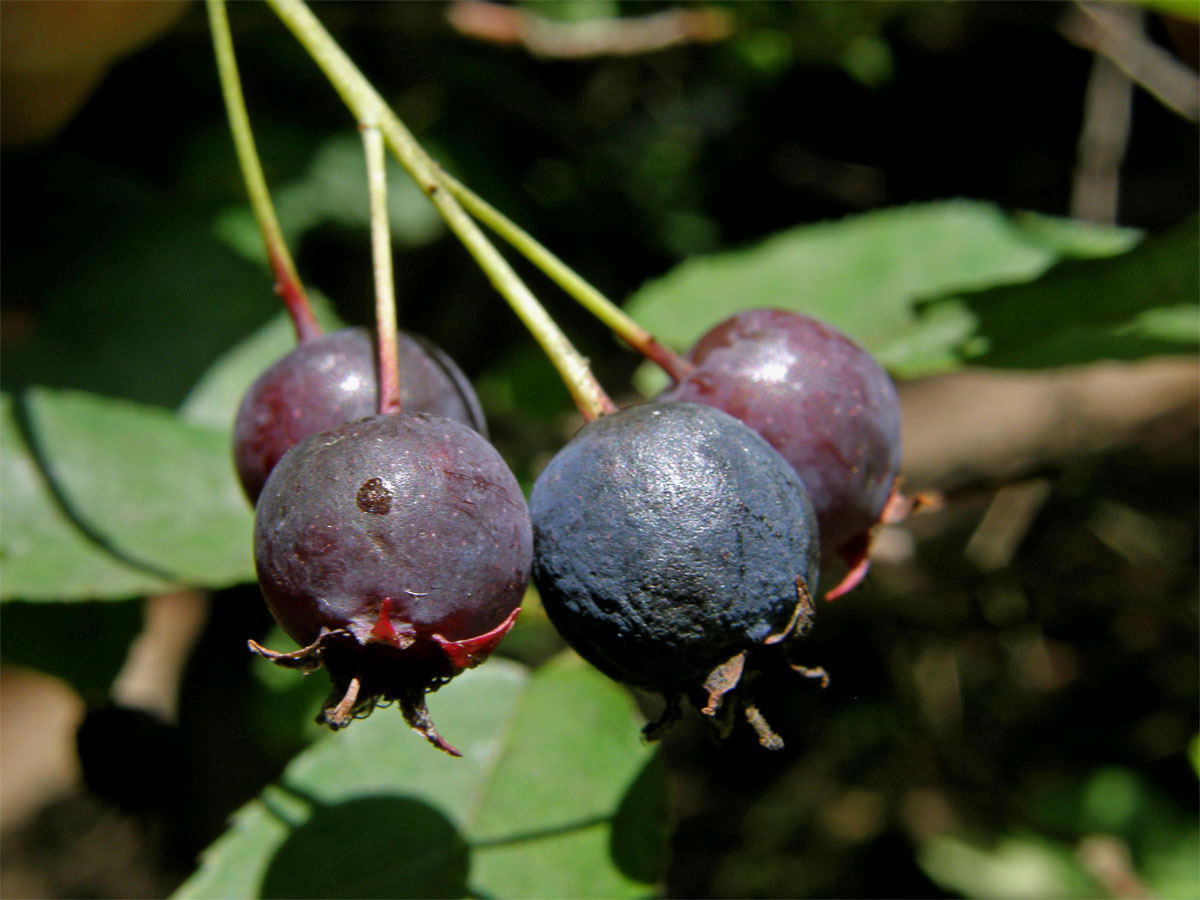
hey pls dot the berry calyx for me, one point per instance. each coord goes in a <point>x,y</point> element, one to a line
<point>395,550</point>
<point>331,379</point>
<point>821,401</point>
<point>673,547</point>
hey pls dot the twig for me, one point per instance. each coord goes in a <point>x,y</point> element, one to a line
<point>366,104</point>
<point>577,287</point>
<point>1107,859</point>
<point>499,24</point>
<point>1105,30</point>
<point>1096,187</point>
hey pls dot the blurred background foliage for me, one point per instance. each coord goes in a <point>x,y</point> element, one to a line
<point>1014,689</point>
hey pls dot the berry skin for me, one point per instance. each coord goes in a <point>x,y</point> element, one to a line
<point>820,400</point>
<point>670,542</point>
<point>396,551</point>
<point>332,379</point>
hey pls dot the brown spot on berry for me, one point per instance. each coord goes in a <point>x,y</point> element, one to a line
<point>375,496</point>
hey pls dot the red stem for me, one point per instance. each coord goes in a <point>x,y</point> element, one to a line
<point>665,358</point>
<point>288,287</point>
<point>389,373</point>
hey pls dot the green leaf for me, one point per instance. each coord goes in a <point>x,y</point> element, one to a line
<point>555,795</point>
<point>44,553</point>
<point>1071,238</point>
<point>926,288</point>
<point>109,499</point>
<point>862,274</point>
<point>1016,867</point>
<point>1123,307</point>
<point>335,190</point>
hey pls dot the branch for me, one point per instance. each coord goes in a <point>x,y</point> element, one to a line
<point>1107,33</point>
<point>499,24</point>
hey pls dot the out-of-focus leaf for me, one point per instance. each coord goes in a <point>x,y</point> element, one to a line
<point>335,190</point>
<point>1159,831</point>
<point>1171,866</point>
<point>1187,10</point>
<point>107,499</point>
<point>214,400</point>
<point>1015,868</point>
<point>542,802</point>
<point>147,299</point>
<point>85,644</point>
<point>1071,238</point>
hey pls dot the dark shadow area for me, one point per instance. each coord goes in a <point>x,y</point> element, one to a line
<point>371,847</point>
<point>85,644</point>
<point>641,827</point>
<point>132,758</point>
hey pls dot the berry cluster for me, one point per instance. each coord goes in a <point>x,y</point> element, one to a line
<point>676,544</point>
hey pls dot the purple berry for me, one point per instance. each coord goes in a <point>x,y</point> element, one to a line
<point>396,551</point>
<point>816,397</point>
<point>332,379</point>
<point>673,546</point>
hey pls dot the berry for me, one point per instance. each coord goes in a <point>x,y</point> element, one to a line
<point>332,379</point>
<point>396,551</point>
<point>820,400</point>
<point>670,542</point>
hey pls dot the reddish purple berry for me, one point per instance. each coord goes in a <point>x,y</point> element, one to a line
<point>816,397</point>
<point>332,379</point>
<point>396,551</point>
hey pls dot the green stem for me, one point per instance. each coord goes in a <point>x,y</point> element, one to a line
<point>366,104</point>
<point>618,321</point>
<point>287,282</point>
<point>381,256</point>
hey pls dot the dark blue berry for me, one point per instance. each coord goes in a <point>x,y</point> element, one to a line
<point>670,542</point>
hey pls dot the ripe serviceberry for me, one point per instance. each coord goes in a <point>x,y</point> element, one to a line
<point>822,402</point>
<point>395,550</point>
<point>331,379</point>
<point>673,548</point>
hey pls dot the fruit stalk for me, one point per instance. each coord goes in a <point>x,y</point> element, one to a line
<point>364,101</point>
<point>618,321</point>
<point>287,281</point>
<point>381,257</point>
